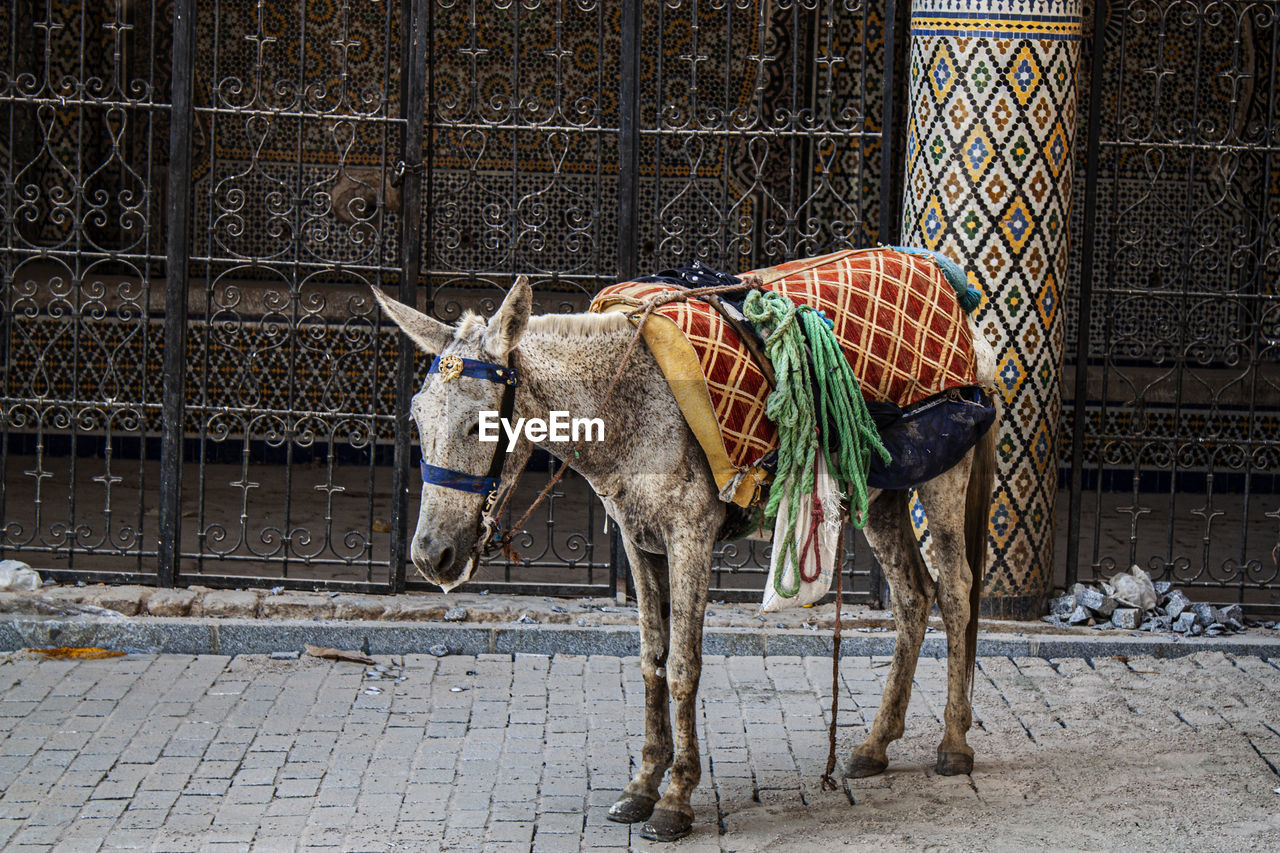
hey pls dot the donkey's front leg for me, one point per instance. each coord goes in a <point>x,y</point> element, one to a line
<point>689,561</point>
<point>641,794</point>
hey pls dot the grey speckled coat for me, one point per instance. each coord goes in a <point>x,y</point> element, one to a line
<point>656,484</point>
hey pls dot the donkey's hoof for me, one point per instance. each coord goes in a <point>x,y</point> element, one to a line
<point>631,808</point>
<point>860,766</point>
<point>954,764</point>
<point>667,825</point>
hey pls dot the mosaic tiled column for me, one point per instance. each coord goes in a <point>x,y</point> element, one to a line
<point>988,183</point>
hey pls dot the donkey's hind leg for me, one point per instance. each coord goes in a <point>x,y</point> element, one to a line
<point>654,599</point>
<point>943,499</point>
<point>890,535</point>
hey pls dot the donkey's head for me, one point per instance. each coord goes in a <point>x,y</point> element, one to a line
<point>471,374</point>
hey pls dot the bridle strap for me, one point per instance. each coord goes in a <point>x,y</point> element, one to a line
<point>450,367</point>
<point>451,479</point>
<point>453,366</point>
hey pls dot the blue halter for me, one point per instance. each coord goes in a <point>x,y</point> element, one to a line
<point>450,367</point>
<point>453,366</point>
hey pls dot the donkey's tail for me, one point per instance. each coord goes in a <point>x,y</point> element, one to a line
<point>977,512</point>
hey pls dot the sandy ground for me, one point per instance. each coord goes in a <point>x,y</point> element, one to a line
<point>1137,756</point>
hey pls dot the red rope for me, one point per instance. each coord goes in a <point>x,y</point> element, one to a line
<point>815,521</point>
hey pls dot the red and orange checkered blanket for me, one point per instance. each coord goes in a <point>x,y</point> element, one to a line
<point>902,329</point>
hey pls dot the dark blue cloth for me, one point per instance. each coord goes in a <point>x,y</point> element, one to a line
<point>930,437</point>
<point>693,274</point>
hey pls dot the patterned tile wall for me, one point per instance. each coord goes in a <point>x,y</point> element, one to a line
<point>989,178</point>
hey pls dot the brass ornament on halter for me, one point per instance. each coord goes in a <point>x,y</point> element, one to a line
<point>450,368</point>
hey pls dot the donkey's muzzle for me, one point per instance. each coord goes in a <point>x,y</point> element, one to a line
<point>436,560</point>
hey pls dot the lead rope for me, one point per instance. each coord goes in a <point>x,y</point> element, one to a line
<point>829,784</point>
<point>650,305</point>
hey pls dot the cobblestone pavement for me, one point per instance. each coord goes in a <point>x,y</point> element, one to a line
<point>213,753</point>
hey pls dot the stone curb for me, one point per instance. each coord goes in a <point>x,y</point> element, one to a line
<point>251,636</point>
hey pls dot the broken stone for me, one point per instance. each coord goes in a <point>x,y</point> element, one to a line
<point>1078,616</point>
<point>1197,629</point>
<point>1204,614</point>
<point>1063,605</point>
<point>283,656</point>
<point>455,614</point>
<point>1177,603</point>
<point>1163,587</point>
<point>439,650</point>
<point>1182,624</point>
<point>1231,613</point>
<point>1126,617</point>
<point>1103,605</point>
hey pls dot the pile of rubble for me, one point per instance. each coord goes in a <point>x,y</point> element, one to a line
<point>1134,602</point>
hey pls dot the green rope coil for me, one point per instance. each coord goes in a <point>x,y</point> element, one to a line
<point>791,408</point>
<point>856,437</point>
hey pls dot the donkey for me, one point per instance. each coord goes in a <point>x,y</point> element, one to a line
<point>655,482</point>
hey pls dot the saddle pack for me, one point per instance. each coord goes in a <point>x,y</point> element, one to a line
<point>901,326</point>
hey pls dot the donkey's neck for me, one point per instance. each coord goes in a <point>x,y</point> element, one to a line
<point>567,365</point>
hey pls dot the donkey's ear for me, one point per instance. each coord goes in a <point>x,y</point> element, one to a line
<point>508,324</point>
<point>427,332</point>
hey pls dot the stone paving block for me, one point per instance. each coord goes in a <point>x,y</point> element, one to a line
<point>227,604</point>
<point>354,606</point>
<point>37,835</point>
<point>139,818</point>
<point>333,816</point>
<point>206,787</point>
<point>171,602</point>
<point>296,788</point>
<point>582,730</point>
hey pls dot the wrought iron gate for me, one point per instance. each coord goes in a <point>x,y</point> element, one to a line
<point>197,385</point>
<point>1175,424</point>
